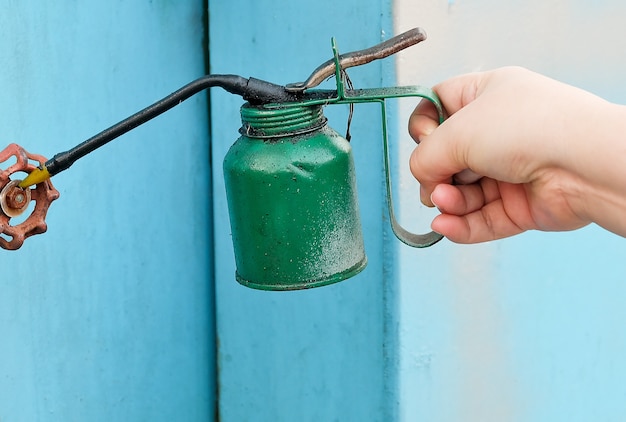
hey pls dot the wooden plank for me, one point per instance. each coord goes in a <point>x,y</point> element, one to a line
<point>316,355</point>
<point>107,316</point>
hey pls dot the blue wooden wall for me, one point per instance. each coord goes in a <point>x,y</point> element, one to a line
<point>114,314</point>
<point>521,329</point>
<point>323,354</point>
<point>108,316</point>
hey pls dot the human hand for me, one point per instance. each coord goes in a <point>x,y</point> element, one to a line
<point>526,152</point>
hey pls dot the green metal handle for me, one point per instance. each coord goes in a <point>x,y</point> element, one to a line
<point>407,237</point>
<point>379,95</point>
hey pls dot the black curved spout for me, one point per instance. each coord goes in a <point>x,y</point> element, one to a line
<point>255,91</point>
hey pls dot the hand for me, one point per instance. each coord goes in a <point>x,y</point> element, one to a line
<point>526,152</point>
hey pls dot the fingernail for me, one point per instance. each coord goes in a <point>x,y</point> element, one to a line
<point>432,200</point>
<point>466,177</point>
<point>425,198</point>
<point>429,128</point>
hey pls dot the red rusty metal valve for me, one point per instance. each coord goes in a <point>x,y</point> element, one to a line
<point>15,201</point>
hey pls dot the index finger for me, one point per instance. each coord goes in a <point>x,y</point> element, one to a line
<point>423,121</point>
<point>454,94</point>
<point>443,156</point>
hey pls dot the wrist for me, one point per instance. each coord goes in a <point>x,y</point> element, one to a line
<point>600,194</point>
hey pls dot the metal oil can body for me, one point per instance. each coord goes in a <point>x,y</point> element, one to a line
<point>292,200</point>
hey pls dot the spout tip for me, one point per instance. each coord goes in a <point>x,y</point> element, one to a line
<point>35,177</point>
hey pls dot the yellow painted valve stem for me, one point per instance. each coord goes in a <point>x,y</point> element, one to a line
<point>35,177</point>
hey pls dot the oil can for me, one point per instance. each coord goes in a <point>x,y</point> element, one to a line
<point>292,200</point>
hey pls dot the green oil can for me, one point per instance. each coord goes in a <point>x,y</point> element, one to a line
<point>292,200</point>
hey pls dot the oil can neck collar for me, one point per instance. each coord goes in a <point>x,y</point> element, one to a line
<point>276,121</point>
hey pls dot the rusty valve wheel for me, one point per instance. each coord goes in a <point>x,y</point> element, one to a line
<point>15,201</point>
